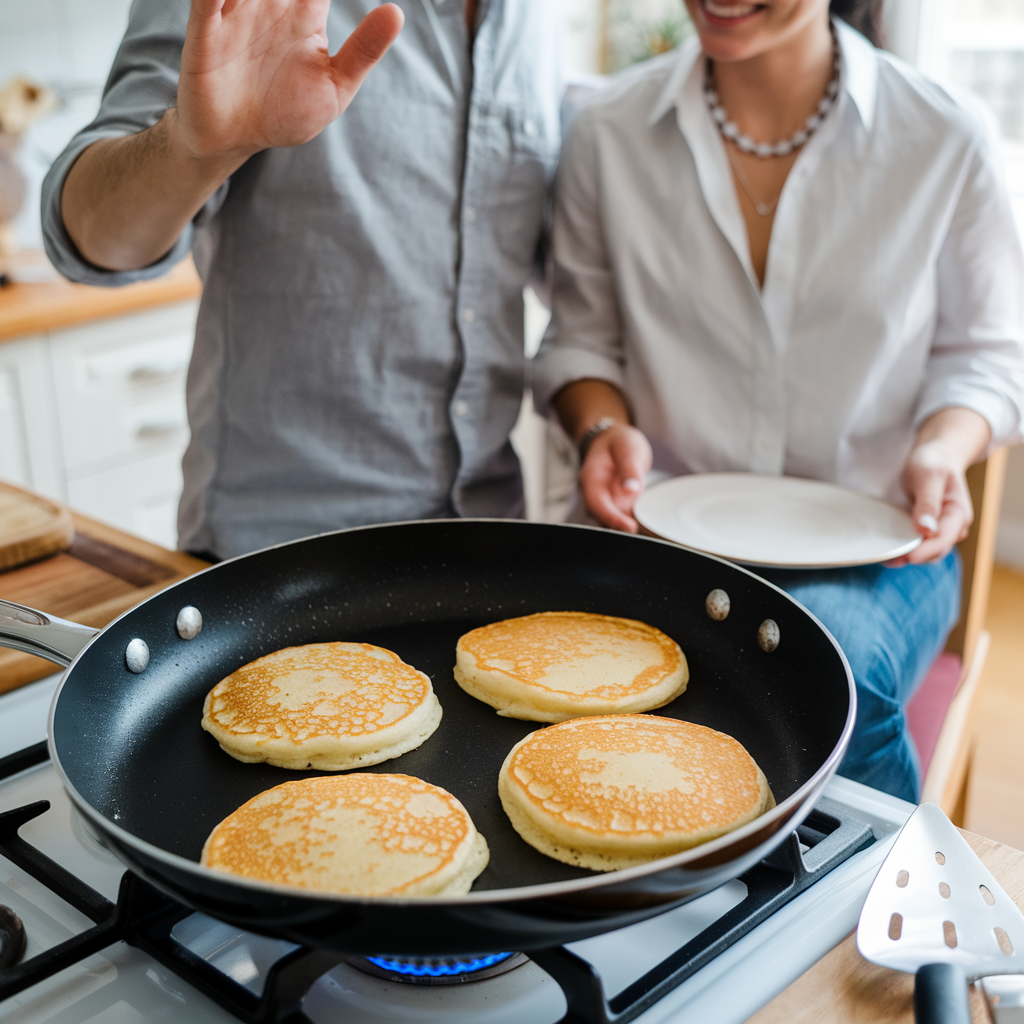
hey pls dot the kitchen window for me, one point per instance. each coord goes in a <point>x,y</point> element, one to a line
<point>978,46</point>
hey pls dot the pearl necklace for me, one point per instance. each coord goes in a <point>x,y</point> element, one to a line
<point>731,133</point>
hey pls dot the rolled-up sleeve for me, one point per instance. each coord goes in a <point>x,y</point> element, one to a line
<point>977,358</point>
<point>584,338</point>
<point>143,83</point>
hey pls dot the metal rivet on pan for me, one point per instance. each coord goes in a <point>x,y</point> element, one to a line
<point>768,635</point>
<point>717,604</point>
<point>189,622</point>
<point>136,655</point>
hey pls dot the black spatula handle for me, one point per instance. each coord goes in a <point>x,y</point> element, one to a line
<point>940,995</point>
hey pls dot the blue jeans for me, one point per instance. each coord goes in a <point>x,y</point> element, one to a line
<point>891,625</point>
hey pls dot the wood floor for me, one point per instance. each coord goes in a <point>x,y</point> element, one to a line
<point>995,795</point>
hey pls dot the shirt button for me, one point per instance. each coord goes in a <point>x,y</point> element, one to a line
<point>528,126</point>
<point>461,408</point>
<point>469,315</point>
<point>470,213</point>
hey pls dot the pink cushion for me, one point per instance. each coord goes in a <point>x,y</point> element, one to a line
<point>927,709</point>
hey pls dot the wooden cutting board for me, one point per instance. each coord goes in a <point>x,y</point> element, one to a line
<point>31,527</point>
<point>843,988</point>
<point>103,573</point>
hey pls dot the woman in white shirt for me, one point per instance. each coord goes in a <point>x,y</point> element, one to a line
<point>781,250</point>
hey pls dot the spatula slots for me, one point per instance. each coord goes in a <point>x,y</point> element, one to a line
<point>936,911</point>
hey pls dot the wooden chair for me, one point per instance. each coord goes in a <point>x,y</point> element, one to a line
<point>948,769</point>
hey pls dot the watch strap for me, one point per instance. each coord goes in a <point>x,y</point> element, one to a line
<point>603,424</point>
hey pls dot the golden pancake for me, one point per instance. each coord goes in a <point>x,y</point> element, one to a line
<point>328,706</point>
<point>553,666</point>
<point>611,792</point>
<point>362,834</point>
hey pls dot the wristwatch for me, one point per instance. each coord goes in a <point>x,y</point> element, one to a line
<point>603,424</point>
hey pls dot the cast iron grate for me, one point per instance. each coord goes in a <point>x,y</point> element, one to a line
<point>143,917</point>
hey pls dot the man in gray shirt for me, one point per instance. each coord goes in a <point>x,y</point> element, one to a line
<point>359,349</point>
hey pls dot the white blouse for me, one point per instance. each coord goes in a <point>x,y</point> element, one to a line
<point>893,286</point>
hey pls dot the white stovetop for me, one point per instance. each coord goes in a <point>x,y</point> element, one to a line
<point>123,986</point>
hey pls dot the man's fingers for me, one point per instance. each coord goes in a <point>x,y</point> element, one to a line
<point>207,8</point>
<point>368,43</point>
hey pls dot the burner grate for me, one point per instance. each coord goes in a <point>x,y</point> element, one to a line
<point>145,918</point>
<point>829,835</point>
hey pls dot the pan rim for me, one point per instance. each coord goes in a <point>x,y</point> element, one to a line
<point>788,809</point>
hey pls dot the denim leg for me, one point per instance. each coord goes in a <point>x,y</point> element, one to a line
<point>891,625</point>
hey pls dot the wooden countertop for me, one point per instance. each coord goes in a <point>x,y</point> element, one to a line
<point>27,309</point>
<point>843,988</point>
<point>104,573</point>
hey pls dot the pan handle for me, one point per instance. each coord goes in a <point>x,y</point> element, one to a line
<point>46,636</point>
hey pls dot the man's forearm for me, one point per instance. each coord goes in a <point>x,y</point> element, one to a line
<point>126,201</point>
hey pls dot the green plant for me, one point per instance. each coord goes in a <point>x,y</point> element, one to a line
<point>639,31</point>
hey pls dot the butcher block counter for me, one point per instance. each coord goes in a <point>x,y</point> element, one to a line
<point>27,309</point>
<point>102,574</point>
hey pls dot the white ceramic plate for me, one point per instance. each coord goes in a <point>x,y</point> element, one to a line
<point>779,521</point>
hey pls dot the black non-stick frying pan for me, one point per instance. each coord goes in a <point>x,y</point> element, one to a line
<point>153,784</point>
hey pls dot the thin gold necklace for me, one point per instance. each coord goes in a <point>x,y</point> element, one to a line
<point>763,209</point>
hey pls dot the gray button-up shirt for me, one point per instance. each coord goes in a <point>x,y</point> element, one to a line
<point>359,349</point>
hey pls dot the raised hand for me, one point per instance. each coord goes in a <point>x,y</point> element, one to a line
<point>254,74</point>
<point>257,74</point>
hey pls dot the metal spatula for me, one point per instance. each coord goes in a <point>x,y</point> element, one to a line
<point>936,911</point>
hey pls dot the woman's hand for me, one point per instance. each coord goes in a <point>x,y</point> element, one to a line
<point>935,483</point>
<point>618,459</point>
<point>612,476</point>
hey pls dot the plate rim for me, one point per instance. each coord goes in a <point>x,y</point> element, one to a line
<point>897,552</point>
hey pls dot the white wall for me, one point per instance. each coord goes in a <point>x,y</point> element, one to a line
<point>68,45</point>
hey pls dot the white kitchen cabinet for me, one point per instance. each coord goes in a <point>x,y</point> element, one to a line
<point>140,496</point>
<point>94,415</point>
<point>30,451</point>
<point>120,387</point>
<point>120,392</point>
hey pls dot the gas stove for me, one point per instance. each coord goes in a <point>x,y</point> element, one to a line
<point>122,953</point>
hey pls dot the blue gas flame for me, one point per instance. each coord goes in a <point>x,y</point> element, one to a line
<point>439,969</point>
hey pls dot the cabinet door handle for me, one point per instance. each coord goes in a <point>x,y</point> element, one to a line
<point>157,370</point>
<point>156,429</point>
